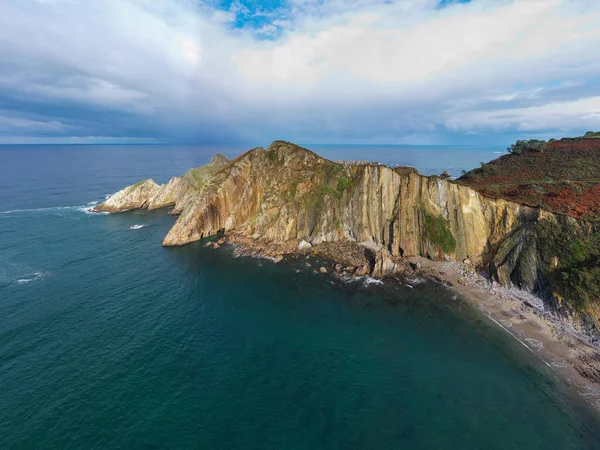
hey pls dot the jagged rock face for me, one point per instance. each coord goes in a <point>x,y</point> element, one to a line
<point>132,197</point>
<point>526,255</point>
<point>178,192</point>
<point>286,194</point>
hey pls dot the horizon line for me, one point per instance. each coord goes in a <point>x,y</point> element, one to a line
<point>154,144</point>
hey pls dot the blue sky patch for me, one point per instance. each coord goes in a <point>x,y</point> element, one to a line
<point>255,15</point>
<point>446,3</point>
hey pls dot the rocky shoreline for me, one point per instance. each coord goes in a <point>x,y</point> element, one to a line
<point>571,354</point>
<point>390,223</point>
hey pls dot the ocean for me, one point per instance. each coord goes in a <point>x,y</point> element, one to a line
<point>108,340</point>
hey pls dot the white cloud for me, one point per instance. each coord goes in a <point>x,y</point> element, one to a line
<point>28,139</point>
<point>190,49</point>
<point>586,112</point>
<point>344,69</point>
<point>367,48</point>
<point>12,123</point>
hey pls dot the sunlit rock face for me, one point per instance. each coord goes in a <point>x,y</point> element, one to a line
<point>286,197</point>
<point>132,197</point>
<point>177,192</point>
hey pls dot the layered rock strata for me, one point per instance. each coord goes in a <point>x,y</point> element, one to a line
<point>286,199</point>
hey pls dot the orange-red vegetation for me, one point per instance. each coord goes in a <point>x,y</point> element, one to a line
<point>563,178</point>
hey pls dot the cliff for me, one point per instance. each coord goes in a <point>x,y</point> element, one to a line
<point>178,192</point>
<point>286,199</point>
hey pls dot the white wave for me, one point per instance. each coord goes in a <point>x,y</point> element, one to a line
<point>415,281</point>
<point>34,276</point>
<point>346,279</point>
<point>534,344</point>
<point>589,391</point>
<point>350,279</point>
<point>498,152</point>
<point>559,363</point>
<point>520,341</point>
<point>83,208</point>
<point>368,280</point>
<point>364,280</point>
<point>87,209</point>
<point>136,227</point>
<point>54,208</point>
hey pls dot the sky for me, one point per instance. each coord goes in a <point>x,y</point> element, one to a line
<point>309,71</point>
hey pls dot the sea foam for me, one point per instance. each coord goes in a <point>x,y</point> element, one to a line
<point>83,208</point>
<point>33,277</point>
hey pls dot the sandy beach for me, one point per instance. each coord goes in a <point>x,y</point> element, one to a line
<point>573,356</point>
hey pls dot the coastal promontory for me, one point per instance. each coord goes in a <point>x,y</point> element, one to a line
<point>285,199</point>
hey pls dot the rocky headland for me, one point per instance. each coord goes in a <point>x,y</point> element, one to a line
<point>370,219</point>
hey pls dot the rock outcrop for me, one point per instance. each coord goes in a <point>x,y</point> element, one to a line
<point>137,196</point>
<point>178,192</point>
<point>289,198</point>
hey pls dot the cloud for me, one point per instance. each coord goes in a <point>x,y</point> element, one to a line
<point>313,71</point>
<point>586,112</point>
<point>11,124</point>
<point>367,48</point>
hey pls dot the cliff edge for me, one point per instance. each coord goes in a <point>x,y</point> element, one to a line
<point>286,199</point>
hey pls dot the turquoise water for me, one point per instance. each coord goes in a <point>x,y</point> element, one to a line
<point>108,340</point>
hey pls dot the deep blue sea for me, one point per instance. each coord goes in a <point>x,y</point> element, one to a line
<point>108,340</point>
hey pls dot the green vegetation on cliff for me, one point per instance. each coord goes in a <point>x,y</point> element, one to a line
<point>343,182</point>
<point>285,194</point>
<point>273,156</point>
<point>335,180</point>
<point>435,229</point>
<point>573,262</point>
<point>532,145</point>
<point>138,184</point>
<point>198,176</point>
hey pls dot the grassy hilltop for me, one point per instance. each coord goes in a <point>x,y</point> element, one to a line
<point>562,176</point>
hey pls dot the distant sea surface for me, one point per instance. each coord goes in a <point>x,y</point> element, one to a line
<point>108,340</point>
